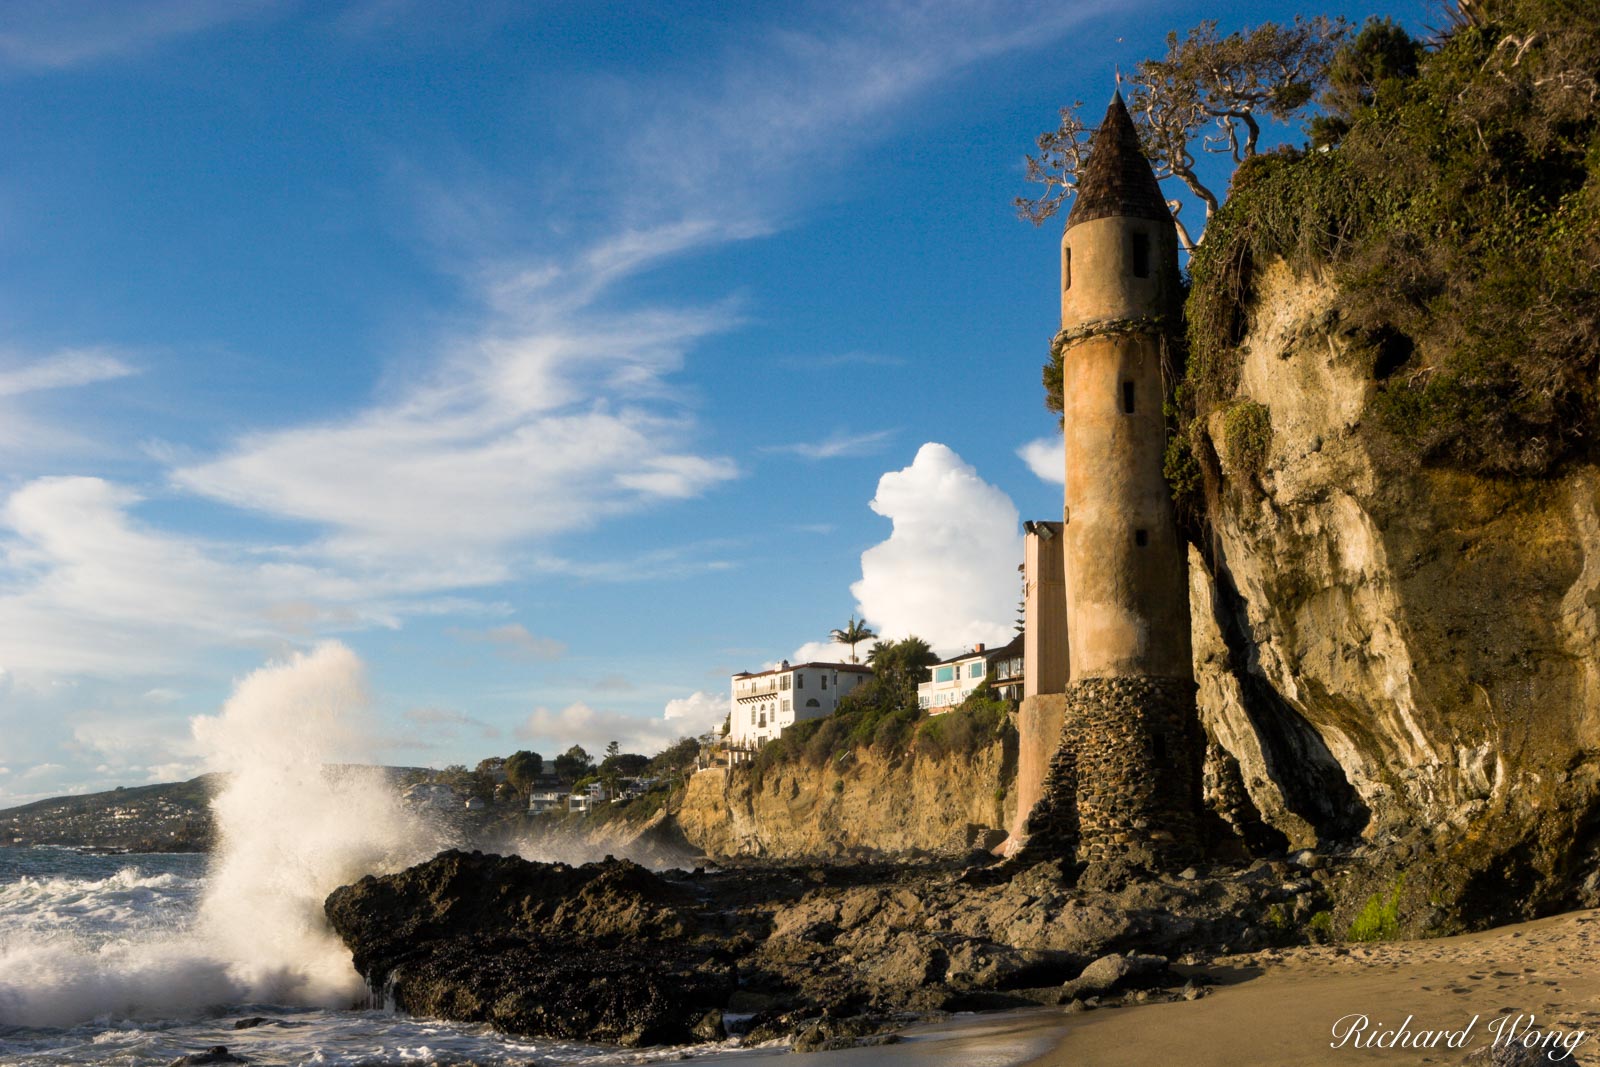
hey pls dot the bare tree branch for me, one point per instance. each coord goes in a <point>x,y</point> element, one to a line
<point>1205,82</point>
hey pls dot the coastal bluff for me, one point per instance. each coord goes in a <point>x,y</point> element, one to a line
<point>867,803</point>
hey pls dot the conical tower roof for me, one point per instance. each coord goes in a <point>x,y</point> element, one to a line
<point>1117,179</point>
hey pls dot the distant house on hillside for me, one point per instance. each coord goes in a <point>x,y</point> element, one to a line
<point>761,706</point>
<point>954,679</point>
<point>588,798</point>
<point>547,798</point>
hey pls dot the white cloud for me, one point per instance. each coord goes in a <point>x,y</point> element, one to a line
<point>515,642</point>
<point>827,652</point>
<point>66,369</point>
<point>948,571</point>
<point>553,732</point>
<point>127,744</point>
<point>49,34</point>
<point>526,433</point>
<point>87,588</point>
<point>1044,458</point>
<point>696,714</point>
<point>836,445</point>
<point>445,721</point>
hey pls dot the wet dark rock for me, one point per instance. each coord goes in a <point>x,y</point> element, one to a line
<point>250,1023</point>
<point>609,952</point>
<point>827,1035</point>
<point>603,952</point>
<point>1110,974</point>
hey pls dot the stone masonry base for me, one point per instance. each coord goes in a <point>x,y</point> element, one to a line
<point>1124,786</point>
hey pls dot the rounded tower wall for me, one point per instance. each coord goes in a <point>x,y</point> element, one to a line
<point>1124,560</point>
<point>1100,270</point>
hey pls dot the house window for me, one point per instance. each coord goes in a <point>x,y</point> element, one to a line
<point>786,704</point>
<point>824,681</point>
<point>975,670</point>
<point>813,703</point>
<point>783,683</point>
<point>1127,398</point>
<point>1141,255</point>
<point>799,681</point>
<point>1141,537</point>
<point>944,674</point>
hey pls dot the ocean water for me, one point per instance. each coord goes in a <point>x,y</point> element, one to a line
<point>104,960</point>
<point>136,960</point>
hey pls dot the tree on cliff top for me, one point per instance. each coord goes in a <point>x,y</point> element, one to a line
<point>574,763</point>
<point>522,768</point>
<point>1209,90</point>
<point>852,634</point>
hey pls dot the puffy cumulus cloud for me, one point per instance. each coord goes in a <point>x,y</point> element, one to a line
<point>948,571</point>
<point>697,713</point>
<point>1044,458</point>
<point>826,652</point>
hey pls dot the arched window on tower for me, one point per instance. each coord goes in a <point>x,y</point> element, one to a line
<point>1127,398</point>
<point>1066,267</point>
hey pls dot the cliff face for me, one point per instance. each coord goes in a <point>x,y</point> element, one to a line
<point>1406,655</point>
<point>873,804</point>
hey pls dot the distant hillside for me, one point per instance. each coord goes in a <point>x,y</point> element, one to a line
<point>171,817</point>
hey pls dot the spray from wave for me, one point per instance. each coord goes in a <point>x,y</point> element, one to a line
<point>292,825</point>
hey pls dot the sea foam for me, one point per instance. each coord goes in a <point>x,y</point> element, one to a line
<point>292,825</point>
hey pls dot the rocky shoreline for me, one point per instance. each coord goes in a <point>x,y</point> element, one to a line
<point>825,956</point>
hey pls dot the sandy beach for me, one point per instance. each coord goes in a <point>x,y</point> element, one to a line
<point>1286,1015</point>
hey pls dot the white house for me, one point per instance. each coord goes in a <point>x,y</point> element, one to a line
<point>547,799</point>
<point>762,706</point>
<point>953,680</point>
<point>588,798</point>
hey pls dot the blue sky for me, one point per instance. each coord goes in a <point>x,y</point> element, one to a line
<point>551,356</point>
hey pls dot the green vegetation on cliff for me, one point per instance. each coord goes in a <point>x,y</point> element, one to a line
<point>1459,212</point>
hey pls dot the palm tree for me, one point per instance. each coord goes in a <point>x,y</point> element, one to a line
<point>852,635</point>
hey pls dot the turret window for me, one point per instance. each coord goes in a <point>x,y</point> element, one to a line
<point>1141,255</point>
<point>1127,398</point>
<point>1066,267</point>
<point>1141,537</point>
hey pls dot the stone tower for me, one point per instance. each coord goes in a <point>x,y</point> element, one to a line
<point>1124,782</point>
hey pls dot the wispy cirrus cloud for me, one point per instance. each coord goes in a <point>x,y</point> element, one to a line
<point>514,641</point>
<point>836,445</point>
<point>65,369</point>
<point>557,403</point>
<point>40,35</point>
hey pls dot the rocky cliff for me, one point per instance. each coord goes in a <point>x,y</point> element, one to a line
<point>869,804</point>
<point>1398,654</point>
